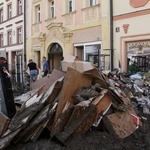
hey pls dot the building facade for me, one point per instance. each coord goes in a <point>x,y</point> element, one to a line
<point>60,28</point>
<point>132,33</point>
<point>12,32</point>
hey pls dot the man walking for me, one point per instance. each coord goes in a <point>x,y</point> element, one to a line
<point>45,66</point>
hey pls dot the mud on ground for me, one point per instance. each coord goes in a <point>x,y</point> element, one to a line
<point>93,140</point>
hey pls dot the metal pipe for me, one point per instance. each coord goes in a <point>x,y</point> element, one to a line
<point>111,37</point>
<point>25,33</point>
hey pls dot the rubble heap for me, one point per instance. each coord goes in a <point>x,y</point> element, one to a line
<point>72,103</point>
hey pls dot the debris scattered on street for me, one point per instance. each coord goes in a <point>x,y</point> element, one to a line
<point>74,102</point>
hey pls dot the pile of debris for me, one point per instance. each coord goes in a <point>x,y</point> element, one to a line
<point>72,103</point>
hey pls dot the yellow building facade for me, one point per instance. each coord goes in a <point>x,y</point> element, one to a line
<point>57,29</point>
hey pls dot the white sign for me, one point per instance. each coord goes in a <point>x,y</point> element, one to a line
<point>37,47</point>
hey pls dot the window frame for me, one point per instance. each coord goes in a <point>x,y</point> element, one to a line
<point>92,2</point>
<point>9,11</point>
<point>1,15</point>
<point>70,6</point>
<point>9,37</point>
<point>19,35</point>
<point>20,7</point>
<point>38,13</point>
<point>1,39</point>
<point>52,9</point>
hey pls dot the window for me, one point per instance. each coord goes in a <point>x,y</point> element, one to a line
<point>70,6</point>
<point>1,40</point>
<point>52,9</point>
<point>1,15</point>
<point>9,11</point>
<point>9,37</point>
<point>19,35</point>
<point>92,2</point>
<point>19,7</point>
<point>38,14</point>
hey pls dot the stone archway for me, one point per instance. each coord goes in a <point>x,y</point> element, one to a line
<point>54,56</point>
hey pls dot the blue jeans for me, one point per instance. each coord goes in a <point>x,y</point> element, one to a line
<point>33,75</point>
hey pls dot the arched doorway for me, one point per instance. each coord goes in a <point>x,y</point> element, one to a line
<point>54,56</point>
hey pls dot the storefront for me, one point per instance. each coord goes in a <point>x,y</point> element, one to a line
<point>138,54</point>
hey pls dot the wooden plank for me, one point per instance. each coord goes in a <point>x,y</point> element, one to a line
<point>72,82</point>
<point>119,124</point>
<point>39,131</point>
<point>98,77</point>
<point>4,122</point>
<point>49,125</point>
<point>83,118</point>
<point>24,97</point>
<point>48,80</point>
<point>63,119</point>
<point>5,141</point>
<point>39,122</point>
<point>32,97</point>
<point>23,116</point>
<point>78,115</point>
<point>101,103</point>
<point>56,90</point>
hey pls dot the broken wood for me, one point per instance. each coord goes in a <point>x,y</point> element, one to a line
<point>102,103</point>
<point>72,82</point>
<point>119,124</point>
<point>23,116</point>
<point>4,122</point>
<point>63,119</point>
<point>48,80</point>
<point>5,141</point>
<point>36,126</point>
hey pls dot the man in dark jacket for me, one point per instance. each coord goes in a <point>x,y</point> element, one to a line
<point>33,70</point>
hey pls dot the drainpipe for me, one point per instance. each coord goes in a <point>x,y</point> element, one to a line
<point>25,32</point>
<point>111,36</point>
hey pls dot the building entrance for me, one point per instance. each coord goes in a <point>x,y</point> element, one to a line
<point>54,56</point>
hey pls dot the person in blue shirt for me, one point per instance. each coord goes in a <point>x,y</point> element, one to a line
<point>45,66</point>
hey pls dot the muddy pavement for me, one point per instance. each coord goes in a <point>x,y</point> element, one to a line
<point>93,140</point>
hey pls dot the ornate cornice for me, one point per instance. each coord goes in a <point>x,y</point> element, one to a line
<point>42,36</point>
<point>53,25</point>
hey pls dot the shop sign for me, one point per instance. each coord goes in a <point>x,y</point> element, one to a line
<point>37,47</point>
<point>142,47</point>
